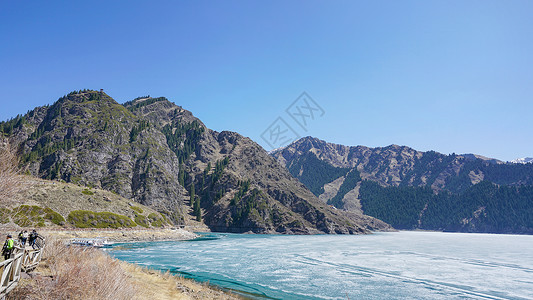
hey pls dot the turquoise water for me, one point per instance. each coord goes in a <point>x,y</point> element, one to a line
<point>403,265</point>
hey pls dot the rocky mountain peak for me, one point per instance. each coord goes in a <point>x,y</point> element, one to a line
<point>160,111</point>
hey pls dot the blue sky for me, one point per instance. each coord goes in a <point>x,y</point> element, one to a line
<point>449,76</point>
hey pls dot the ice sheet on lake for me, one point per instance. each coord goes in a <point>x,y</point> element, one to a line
<point>405,265</point>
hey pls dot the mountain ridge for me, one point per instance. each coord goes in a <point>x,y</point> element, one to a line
<point>158,154</point>
<point>407,188</point>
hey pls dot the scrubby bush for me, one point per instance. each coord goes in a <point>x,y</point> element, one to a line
<point>156,220</point>
<point>141,220</point>
<point>53,216</point>
<point>26,215</point>
<point>90,219</point>
<point>137,209</point>
<point>87,192</point>
<point>31,215</point>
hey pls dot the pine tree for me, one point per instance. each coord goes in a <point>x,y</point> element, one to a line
<point>195,203</point>
<point>192,194</point>
<point>181,175</point>
<point>197,210</point>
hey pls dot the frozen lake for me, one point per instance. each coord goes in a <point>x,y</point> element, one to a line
<point>403,265</point>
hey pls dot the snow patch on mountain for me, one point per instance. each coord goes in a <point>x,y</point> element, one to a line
<point>523,160</point>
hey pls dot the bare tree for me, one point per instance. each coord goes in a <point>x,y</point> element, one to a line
<point>11,180</point>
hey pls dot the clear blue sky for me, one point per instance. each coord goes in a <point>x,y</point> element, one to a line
<point>450,76</point>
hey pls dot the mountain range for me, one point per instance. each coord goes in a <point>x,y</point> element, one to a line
<point>158,154</point>
<point>411,189</point>
<point>153,152</point>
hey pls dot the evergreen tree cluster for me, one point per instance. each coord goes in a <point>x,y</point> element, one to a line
<point>92,95</point>
<point>195,204</point>
<point>243,189</point>
<point>509,174</point>
<point>141,97</point>
<point>349,183</point>
<point>484,207</point>
<point>207,170</point>
<point>37,133</point>
<point>132,106</point>
<point>399,206</point>
<point>183,137</point>
<point>208,182</point>
<point>135,130</point>
<point>80,92</point>
<point>502,174</point>
<point>315,173</point>
<point>7,127</point>
<point>220,165</point>
<point>430,161</point>
<point>55,171</point>
<point>207,186</point>
<point>53,113</point>
<point>46,146</point>
<point>249,205</point>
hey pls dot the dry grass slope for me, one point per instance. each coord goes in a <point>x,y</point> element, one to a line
<point>66,197</point>
<point>86,273</point>
<point>11,182</point>
<point>76,273</point>
<point>164,286</point>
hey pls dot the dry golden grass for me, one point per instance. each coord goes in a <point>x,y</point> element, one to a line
<point>76,273</point>
<point>87,273</point>
<point>11,182</point>
<point>156,285</point>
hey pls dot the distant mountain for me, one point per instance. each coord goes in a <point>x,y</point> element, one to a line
<point>411,189</point>
<point>158,154</point>
<point>524,160</point>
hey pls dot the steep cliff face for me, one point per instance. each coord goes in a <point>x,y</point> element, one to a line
<point>413,189</point>
<point>158,154</point>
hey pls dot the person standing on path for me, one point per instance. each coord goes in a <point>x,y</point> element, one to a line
<point>24,238</point>
<point>8,247</point>
<point>33,238</point>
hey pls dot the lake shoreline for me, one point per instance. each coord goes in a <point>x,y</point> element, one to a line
<point>122,235</point>
<point>150,283</point>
